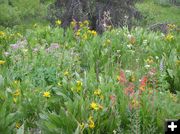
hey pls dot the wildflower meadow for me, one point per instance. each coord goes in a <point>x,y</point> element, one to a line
<point>78,81</point>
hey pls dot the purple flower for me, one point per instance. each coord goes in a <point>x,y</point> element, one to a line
<point>54,46</point>
<point>14,46</point>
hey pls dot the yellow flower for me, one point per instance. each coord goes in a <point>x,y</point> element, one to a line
<point>86,22</point>
<point>135,103</point>
<point>2,62</point>
<point>82,125</point>
<point>118,78</point>
<point>79,83</point>
<point>16,93</point>
<point>18,125</point>
<point>102,97</point>
<point>133,78</point>
<point>94,106</point>
<point>16,82</point>
<point>18,34</point>
<point>89,31</point>
<point>90,118</point>
<point>73,23</point>
<point>14,100</point>
<point>108,41</point>
<point>77,33</point>
<point>91,122</point>
<point>58,22</point>
<point>81,24</point>
<point>47,94</point>
<point>2,33</point>
<point>169,37</point>
<point>78,89</point>
<point>85,37</point>
<point>59,84</point>
<point>171,26</point>
<point>149,60</point>
<point>93,32</point>
<point>66,73</point>
<point>177,62</point>
<point>142,88</point>
<point>97,92</point>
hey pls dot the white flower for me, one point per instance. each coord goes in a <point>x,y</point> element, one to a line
<point>128,71</point>
<point>114,131</point>
<point>157,57</point>
<point>147,66</point>
<point>129,46</point>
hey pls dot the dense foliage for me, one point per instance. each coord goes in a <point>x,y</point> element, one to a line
<point>77,81</point>
<point>15,12</point>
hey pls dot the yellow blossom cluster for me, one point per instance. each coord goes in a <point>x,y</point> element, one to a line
<point>169,37</point>
<point>83,32</point>
<point>171,26</point>
<point>149,60</point>
<point>97,92</point>
<point>92,32</point>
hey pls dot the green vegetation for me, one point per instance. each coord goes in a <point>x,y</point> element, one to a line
<point>157,13</point>
<point>18,12</point>
<point>121,81</point>
<point>74,80</point>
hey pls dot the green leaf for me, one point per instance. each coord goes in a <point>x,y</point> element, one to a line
<point>170,72</point>
<point>61,94</point>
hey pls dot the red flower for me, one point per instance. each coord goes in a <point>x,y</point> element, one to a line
<point>143,83</point>
<point>113,99</point>
<point>122,77</point>
<point>129,90</point>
